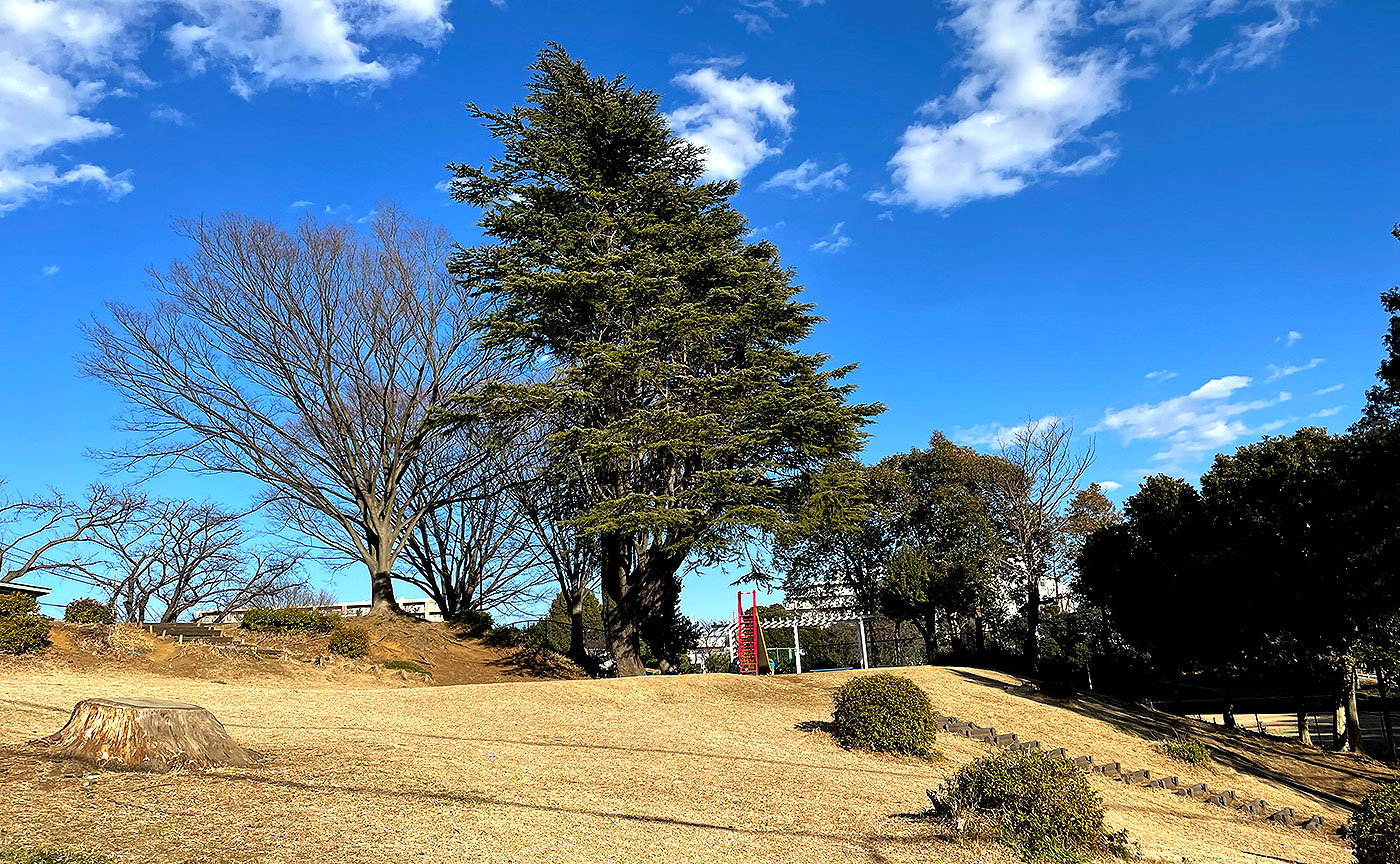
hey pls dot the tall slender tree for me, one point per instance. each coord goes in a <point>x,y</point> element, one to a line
<point>657,326</point>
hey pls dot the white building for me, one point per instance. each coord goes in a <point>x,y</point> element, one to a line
<point>422,608</point>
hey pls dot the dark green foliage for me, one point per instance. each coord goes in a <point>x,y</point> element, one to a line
<point>672,341</point>
<point>1187,750</point>
<point>349,642</point>
<point>281,620</point>
<point>1383,400</point>
<point>406,666</point>
<point>15,604</point>
<point>472,622</point>
<point>23,634</point>
<point>49,855</point>
<point>592,610</point>
<point>885,713</point>
<point>1042,808</point>
<point>22,629</point>
<point>88,611</point>
<point>717,663</point>
<point>1375,826</point>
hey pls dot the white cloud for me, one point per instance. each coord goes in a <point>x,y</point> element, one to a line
<point>1042,74</point>
<point>886,216</point>
<point>1022,112</point>
<point>833,242</point>
<point>993,434</point>
<point>1110,485</point>
<point>1160,375</point>
<point>1325,390</point>
<point>173,116</point>
<point>1328,412</point>
<point>1290,338</point>
<point>733,119</point>
<point>50,270</point>
<point>59,59</point>
<point>1206,420</point>
<point>808,178</point>
<point>1277,372</point>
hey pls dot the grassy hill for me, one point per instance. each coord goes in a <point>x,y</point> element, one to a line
<point>675,769</point>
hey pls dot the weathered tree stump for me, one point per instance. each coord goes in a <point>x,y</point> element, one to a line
<point>147,734</point>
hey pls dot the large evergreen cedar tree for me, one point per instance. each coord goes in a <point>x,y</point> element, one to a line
<point>663,334</point>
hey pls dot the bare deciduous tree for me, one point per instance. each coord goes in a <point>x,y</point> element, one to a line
<point>307,360</point>
<point>51,533</point>
<point>176,555</point>
<point>475,551</point>
<point>1041,469</point>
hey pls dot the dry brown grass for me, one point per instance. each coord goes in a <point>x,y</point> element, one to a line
<point>676,769</point>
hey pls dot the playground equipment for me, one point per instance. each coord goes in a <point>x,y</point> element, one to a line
<point>750,649</point>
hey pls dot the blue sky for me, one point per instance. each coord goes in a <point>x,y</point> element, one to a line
<point>1165,219</point>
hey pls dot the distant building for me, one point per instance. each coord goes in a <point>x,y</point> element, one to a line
<point>35,591</point>
<point>421,608</point>
<point>827,597</point>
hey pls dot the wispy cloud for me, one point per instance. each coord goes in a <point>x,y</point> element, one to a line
<point>1041,79</point>
<point>1160,375</point>
<point>1110,485</point>
<point>60,59</point>
<point>173,116</point>
<point>50,270</point>
<point>808,177</point>
<point>1206,420</point>
<point>1277,372</point>
<point>995,434</point>
<point>833,242</point>
<point>739,121</point>
<point>1325,390</point>
<point>1328,412</point>
<point>1290,338</point>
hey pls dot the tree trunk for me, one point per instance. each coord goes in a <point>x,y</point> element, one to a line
<point>381,593</point>
<point>1384,687</point>
<point>1353,719</point>
<point>1032,644</point>
<point>1339,725</point>
<point>1304,733</point>
<point>930,641</point>
<point>1228,696</point>
<point>620,615</point>
<point>149,734</point>
<point>980,628</point>
<point>576,648</point>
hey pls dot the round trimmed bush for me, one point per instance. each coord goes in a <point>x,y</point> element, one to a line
<point>1375,826</point>
<point>473,622</point>
<point>1043,808</point>
<point>86,610</point>
<point>15,605</point>
<point>885,713</point>
<point>349,642</point>
<point>23,634</point>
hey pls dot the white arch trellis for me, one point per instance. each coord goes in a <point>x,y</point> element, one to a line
<point>808,619</point>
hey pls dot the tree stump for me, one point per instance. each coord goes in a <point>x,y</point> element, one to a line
<point>148,734</point>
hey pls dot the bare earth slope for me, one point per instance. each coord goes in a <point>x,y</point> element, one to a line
<point>675,769</point>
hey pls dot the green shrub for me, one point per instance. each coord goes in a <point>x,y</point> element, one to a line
<point>49,855</point>
<point>1375,826</point>
<point>717,663</point>
<point>473,622</point>
<point>23,634</point>
<point>17,605</point>
<point>406,666</point>
<point>349,642</point>
<point>1187,750</point>
<point>883,712</point>
<point>269,620</point>
<point>86,610</point>
<point>1043,808</point>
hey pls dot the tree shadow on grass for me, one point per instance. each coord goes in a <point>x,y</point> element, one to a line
<point>1242,751</point>
<point>873,844</point>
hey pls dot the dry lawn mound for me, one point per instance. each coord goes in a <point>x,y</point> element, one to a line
<point>712,768</point>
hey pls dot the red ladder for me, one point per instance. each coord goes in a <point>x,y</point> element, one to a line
<point>746,635</point>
